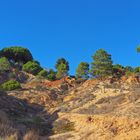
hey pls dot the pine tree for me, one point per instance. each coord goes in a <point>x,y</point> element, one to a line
<point>102,65</point>
<point>83,70</point>
<point>62,67</point>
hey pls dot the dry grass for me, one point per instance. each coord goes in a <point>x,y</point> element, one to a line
<point>11,137</point>
<point>6,128</point>
<point>31,135</point>
<point>63,126</point>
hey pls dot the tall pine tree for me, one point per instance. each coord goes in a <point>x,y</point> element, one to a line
<point>83,70</point>
<point>102,65</point>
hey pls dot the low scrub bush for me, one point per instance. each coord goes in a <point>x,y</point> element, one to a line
<point>4,64</point>
<point>43,73</point>
<point>10,85</point>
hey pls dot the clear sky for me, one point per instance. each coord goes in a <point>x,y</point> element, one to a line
<point>73,29</point>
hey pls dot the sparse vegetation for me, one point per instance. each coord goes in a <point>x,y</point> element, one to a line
<point>11,137</point>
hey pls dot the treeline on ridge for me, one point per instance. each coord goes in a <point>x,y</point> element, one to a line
<point>20,58</point>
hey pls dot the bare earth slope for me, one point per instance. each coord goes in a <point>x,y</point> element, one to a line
<point>102,111</point>
<point>62,110</point>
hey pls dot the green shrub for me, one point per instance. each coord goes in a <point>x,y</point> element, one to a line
<point>138,49</point>
<point>10,85</point>
<point>4,64</point>
<point>32,67</point>
<point>51,75</point>
<point>118,71</point>
<point>43,73</point>
<point>137,70</point>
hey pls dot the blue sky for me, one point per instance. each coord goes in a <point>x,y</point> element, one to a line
<point>73,29</point>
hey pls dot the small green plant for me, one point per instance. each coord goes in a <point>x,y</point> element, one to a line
<point>10,85</point>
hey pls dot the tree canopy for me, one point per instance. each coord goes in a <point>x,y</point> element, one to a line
<point>138,49</point>
<point>129,68</point>
<point>17,54</point>
<point>137,70</point>
<point>62,67</point>
<point>20,58</point>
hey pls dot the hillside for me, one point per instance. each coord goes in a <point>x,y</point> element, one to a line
<point>104,115</point>
<point>59,110</point>
<point>33,107</point>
